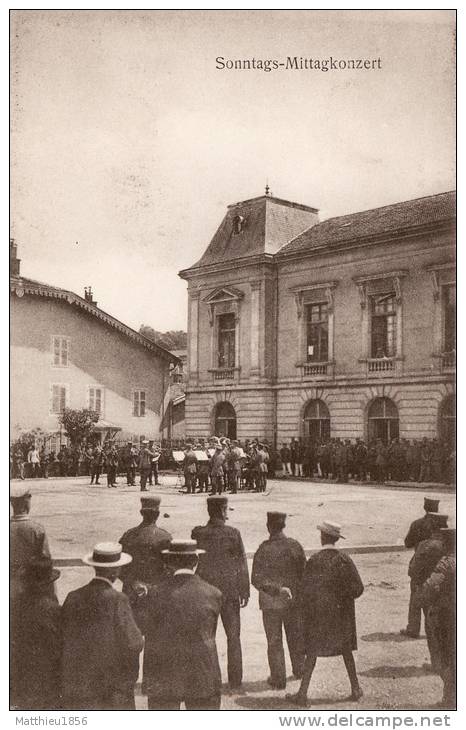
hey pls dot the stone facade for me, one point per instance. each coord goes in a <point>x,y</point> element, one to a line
<point>268,264</point>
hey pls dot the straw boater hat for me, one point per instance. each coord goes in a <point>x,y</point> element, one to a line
<point>183,547</point>
<point>107,555</point>
<point>331,528</point>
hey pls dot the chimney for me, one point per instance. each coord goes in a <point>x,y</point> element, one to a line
<point>88,296</point>
<point>14,260</point>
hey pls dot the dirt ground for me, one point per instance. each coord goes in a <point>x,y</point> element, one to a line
<point>390,667</point>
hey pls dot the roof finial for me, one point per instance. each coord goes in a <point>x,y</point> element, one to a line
<point>267,189</point>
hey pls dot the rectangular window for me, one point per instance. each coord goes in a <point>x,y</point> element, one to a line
<point>383,326</point>
<point>226,340</point>
<point>139,403</point>
<point>317,332</point>
<point>95,399</point>
<point>58,398</point>
<point>449,318</point>
<point>61,348</point>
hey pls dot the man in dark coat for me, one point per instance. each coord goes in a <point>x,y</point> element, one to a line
<point>180,655</point>
<point>216,469</point>
<point>131,463</point>
<point>96,463</point>
<point>145,544</point>
<point>145,464</point>
<point>428,553</point>
<point>331,583</point>
<point>276,573</point>
<point>438,597</point>
<point>190,469</point>
<point>101,641</point>
<point>28,540</point>
<point>419,530</point>
<point>36,641</point>
<point>224,566</point>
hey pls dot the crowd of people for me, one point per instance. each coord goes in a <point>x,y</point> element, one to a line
<point>246,464</point>
<point>84,655</point>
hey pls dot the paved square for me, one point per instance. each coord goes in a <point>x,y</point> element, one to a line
<point>391,671</point>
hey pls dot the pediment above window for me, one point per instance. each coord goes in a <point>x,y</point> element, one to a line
<point>224,294</point>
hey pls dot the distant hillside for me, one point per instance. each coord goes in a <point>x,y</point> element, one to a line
<point>172,340</point>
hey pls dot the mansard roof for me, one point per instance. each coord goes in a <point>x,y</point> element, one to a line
<point>389,219</point>
<point>20,286</point>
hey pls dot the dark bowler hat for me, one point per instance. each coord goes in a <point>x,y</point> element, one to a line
<point>217,499</point>
<point>152,501</point>
<point>431,505</point>
<point>276,518</point>
<point>183,547</point>
<point>40,572</point>
<point>107,555</point>
<point>439,521</point>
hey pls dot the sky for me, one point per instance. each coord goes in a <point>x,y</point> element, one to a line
<point>128,143</point>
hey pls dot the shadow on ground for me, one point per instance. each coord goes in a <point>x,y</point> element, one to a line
<point>393,636</point>
<point>388,672</point>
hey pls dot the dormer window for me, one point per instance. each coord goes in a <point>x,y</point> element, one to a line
<point>238,222</point>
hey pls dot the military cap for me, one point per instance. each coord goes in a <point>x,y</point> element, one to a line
<point>331,528</point>
<point>431,505</point>
<point>19,491</point>
<point>183,547</point>
<point>152,501</point>
<point>144,441</point>
<point>276,515</point>
<point>217,499</point>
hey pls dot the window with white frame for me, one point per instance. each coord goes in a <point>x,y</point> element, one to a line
<point>61,351</point>
<point>383,326</point>
<point>95,400</point>
<point>317,332</point>
<point>58,397</point>
<point>139,403</point>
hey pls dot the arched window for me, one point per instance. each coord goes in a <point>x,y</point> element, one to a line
<point>316,421</point>
<point>225,420</point>
<point>383,420</point>
<point>447,421</point>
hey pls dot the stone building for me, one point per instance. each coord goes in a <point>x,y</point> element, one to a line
<point>341,328</point>
<point>67,352</point>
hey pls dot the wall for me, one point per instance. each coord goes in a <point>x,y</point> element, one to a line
<point>99,355</point>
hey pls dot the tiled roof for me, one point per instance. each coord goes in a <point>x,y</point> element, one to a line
<point>378,221</point>
<point>21,286</point>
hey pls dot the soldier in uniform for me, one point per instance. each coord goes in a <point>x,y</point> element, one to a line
<point>419,530</point>
<point>331,583</point>
<point>224,566</point>
<point>190,469</point>
<point>180,654</point>
<point>101,641</point>
<point>145,464</point>
<point>131,463</point>
<point>276,573</point>
<point>154,470</point>
<point>145,544</point>
<point>28,540</point>
<point>111,461</point>
<point>216,469</point>
<point>96,463</point>
<point>428,553</point>
<point>438,597</point>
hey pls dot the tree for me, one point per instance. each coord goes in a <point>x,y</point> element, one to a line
<point>171,340</point>
<point>78,424</point>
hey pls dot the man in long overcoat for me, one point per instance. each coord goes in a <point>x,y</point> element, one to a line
<point>224,566</point>
<point>101,641</point>
<point>419,530</point>
<point>276,573</point>
<point>36,641</point>
<point>216,469</point>
<point>145,544</point>
<point>28,540</point>
<point>438,597</point>
<point>180,655</point>
<point>331,583</point>
<point>428,553</point>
